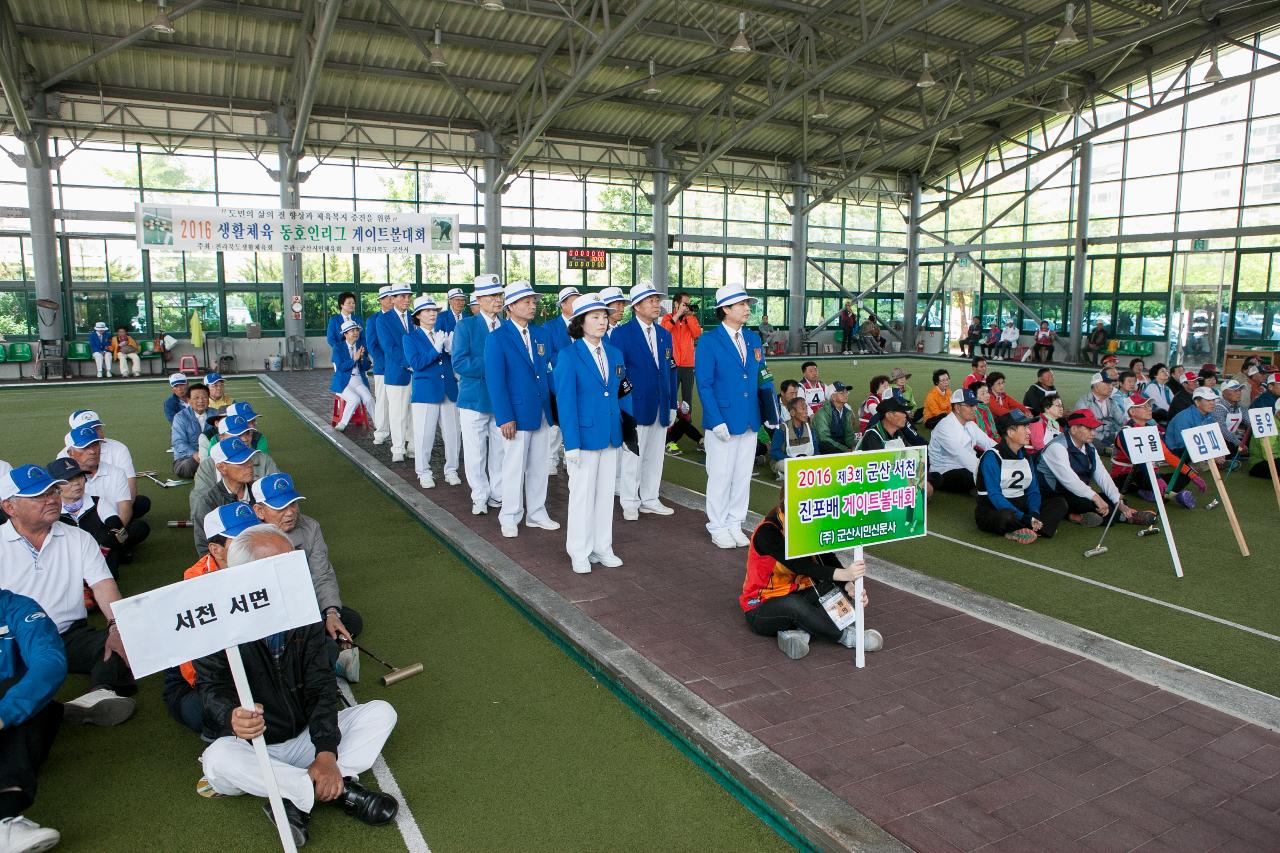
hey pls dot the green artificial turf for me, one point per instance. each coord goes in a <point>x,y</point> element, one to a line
<point>1218,581</point>
<point>504,742</point>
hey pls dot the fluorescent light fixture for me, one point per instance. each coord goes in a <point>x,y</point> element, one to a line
<point>926,80</point>
<point>1067,35</point>
<point>740,43</point>
<point>653,88</point>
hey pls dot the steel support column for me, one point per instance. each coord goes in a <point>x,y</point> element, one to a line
<point>797,272</point>
<point>492,203</point>
<point>661,234</point>
<point>913,269</point>
<point>290,262</point>
<point>1076,313</point>
<point>44,241</point>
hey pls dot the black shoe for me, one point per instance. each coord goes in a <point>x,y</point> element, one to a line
<point>298,821</point>
<point>373,807</point>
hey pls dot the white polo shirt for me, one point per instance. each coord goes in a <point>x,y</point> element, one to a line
<point>116,454</point>
<point>952,444</point>
<point>109,485</point>
<point>55,577</point>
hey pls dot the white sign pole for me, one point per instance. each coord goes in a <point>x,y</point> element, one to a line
<point>1143,444</point>
<point>1164,519</point>
<point>260,749</point>
<point>860,644</point>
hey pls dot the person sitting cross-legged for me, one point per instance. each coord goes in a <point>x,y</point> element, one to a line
<point>33,666</point>
<point>892,430</point>
<point>955,444</point>
<point>186,428</point>
<point>1129,479</point>
<point>833,424</point>
<point>1070,467</point>
<point>233,462</point>
<point>794,438</point>
<point>316,750</point>
<point>232,426</point>
<point>780,596</point>
<point>1009,499</point>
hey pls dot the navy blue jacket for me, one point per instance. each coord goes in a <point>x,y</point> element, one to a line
<point>653,386</point>
<point>519,388</point>
<point>33,664</point>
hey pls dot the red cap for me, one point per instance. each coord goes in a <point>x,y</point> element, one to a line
<point>1084,418</point>
<point>1191,376</point>
<point>1110,359</point>
<point>1139,399</point>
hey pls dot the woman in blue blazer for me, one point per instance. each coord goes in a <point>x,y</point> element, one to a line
<point>346,311</point>
<point>434,395</point>
<point>350,364</point>
<point>588,376</point>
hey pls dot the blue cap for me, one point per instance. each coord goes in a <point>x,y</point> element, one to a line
<point>176,379</point>
<point>26,481</point>
<point>276,491</point>
<point>82,436</point>
<point>211,378</point>
<point>229,520</point>
<point>233,425</point>
<point>963,396</point>
<point>232,451</point>
<point>243,410</point>
<point>64,468</point>
<point>84,417</point>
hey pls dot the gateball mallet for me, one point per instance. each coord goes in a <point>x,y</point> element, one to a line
<point>1149,531</point>
<point>397,673</point>
<point>1100,549</point>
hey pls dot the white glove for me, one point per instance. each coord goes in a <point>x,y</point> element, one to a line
<point>672,416</point>
<point>572,457</point>
<point>721,432</point>
<point>770,425</point>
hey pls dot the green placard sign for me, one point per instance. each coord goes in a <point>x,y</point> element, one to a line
<point>847,499</point>
<point>1200,244</point>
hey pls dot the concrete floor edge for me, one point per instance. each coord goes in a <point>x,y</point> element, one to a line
<point>1238,700</point>
<point>825,820</point>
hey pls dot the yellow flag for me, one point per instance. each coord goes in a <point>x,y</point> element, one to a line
<point>197,330</point>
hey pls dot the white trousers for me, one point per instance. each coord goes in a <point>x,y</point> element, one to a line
<point>556,442</point>
<point>524,475</point>
<point>399,420</point>
<point>355,394</point>
<point>482,450</point>
<point>126,359</point>
<point>729,468</point>
<point>642,475</point>
<point>589,528</point>
<point>103,361</point>
<point>380,424</point>
<point>426,417</point>
<point>232,768</point>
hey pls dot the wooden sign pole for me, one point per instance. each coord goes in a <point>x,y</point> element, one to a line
<point>1226,504</point>
<point>1271,463</point>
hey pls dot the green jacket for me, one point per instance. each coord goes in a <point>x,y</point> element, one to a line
<point>822,422</point>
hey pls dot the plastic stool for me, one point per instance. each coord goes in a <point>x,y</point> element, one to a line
<point>187,364</point>
<point>359,418</point>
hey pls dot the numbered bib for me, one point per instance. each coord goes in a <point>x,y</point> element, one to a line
<point>1015,477</point>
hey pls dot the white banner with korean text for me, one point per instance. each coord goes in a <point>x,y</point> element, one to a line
<point>245,229</point>
<point>192,618</point>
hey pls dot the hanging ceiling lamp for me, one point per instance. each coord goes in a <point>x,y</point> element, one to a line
<point>492,5</point>
<point>161,23</point>
<point>653,88</point>
<point>437,59</point>
<point>820,112</point>
<point>1214,74</point>
<point>740,43</point>
<point>926,80</point>
<point>1067,35</point>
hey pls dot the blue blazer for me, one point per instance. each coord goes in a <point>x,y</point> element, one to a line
<point>334,334</point>
<point>590,417</point>
<point>343,365</point>
<point>556,333</point>
<point>653,387</point>
<point>727,388</point>
<point>446,322</point>
<point>433,379</point>
<point>391,335</point>
<point>519,388</point>
<point>99,343</point>
<point>469,341</point>
<point>370,335</point>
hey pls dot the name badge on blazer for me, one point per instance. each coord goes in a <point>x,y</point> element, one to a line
<point>757,354</point>
<point>542,350</point>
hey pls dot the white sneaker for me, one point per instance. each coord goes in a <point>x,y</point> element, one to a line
<point>397,457</point>
<point>341,427</point>
<point>510,531</point>
<point>101,707</point>
<point>480,509</point>
<point>426,482</point>
<point>794,644</point>
<point>610,560</point>
<point>408,451</point>
<point>543,523</point>
<point>739,538</point>
<point>723,540</point>
<point>378,442</point>
<point>630,514</point>
<point>452,479</point>
<point>657,508</point>
<point>872,640</point>
<point>19,835</point>
<point>581,567</point>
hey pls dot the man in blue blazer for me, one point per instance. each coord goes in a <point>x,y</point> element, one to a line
<point>455,310</point>
<point>392,328</point>
<point>646,352</point>
<point>556,333</point>
<point>482,444</point>
<point>381,430</point>
<point>730,372</point>
<point>517,372</point>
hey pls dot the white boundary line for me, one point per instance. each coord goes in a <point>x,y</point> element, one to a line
<point>1100,584</point>
<point>408,827</point>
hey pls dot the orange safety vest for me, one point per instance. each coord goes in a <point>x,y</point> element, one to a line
<point>206,565</point>
<point>767,578</point>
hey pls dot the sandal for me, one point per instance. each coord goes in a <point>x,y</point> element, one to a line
<point>1025,536</point>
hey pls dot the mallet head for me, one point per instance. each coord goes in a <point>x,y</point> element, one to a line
<point>401,674</point>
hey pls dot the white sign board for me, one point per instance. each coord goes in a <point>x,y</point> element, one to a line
<point>1143,444</point>
<point>244,229</point>
<point>193,618</point>
<point>1262,422</point>
<point>1204,442</point>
